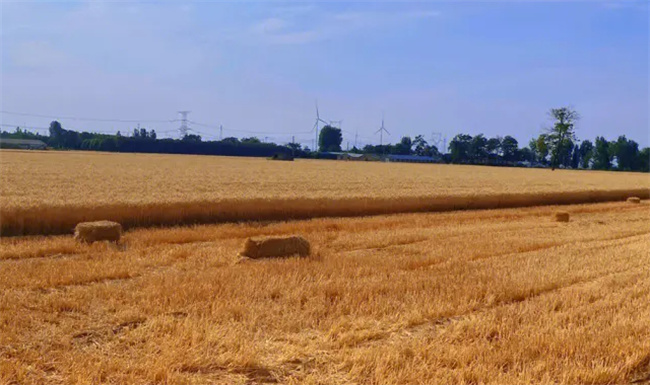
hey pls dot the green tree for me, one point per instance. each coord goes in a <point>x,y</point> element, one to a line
<point>566,154</point>
<point>478,147</point>
<point>602,157</point>
<point>509,147</point>
<point>421,146</point>
<point>542,148</point>
<point>191,138</point>
<point>251,140</point>
<point>404,146</point>
<point>644,160</point>
<point>230,140</point>
<point>56,134</point>
<point>626,153</point>
<point>330,139</point>
<point>575,157</point>
<point>561,135</point>
<point>526,154</point>
<point>295,147</point>
<point>493,146</point>
<point>459,148</point>
<point>586,151</point>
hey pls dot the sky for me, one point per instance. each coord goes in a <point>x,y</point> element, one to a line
<point>259,68</point>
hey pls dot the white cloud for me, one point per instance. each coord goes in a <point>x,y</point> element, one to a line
<point>270,25</point>
<point>286,27</point>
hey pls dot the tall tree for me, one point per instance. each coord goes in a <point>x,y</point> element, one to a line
<point>330,139</point>
<point>602,157</point>
<point>421,146</point>
<point>561,135</point>
<point>586,151</point>
<point>56,134</point>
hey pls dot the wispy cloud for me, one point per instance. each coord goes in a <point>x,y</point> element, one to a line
<point>292,27</point>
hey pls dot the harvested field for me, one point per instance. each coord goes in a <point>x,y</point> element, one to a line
<point>50,192</point>
<point>495,296</point>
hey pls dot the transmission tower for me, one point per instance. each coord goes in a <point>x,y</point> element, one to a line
<point>182,130</point>
<point>440,141</point>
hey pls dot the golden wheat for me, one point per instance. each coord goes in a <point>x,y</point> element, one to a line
<point>497,296</point>
<point>50,192</point>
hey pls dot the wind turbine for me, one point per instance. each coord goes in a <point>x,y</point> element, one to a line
<point>318,120</point>
<point>381,131</point>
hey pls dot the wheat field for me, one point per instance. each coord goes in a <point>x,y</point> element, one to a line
<point>495,296</point>
<point>49,192</point>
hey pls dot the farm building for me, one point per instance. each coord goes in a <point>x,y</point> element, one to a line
<point>25,144</point>
<point>352,156</point>
<point>412,159</point>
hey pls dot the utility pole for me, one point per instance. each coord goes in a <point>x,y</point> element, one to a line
<point>220,132</point>
<point>356,135</point>
<point>293,150</point>
<point>182,130</point>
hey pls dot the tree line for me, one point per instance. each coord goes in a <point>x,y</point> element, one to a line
<point>146,141</point>
<point>558,147</point>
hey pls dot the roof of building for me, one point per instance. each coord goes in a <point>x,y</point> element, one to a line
<point>30,142</point>
<point>413,158</point>
<point>350,154</point>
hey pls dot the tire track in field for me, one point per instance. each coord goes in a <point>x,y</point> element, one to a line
<point>433,324</point>
<point>535,248</point>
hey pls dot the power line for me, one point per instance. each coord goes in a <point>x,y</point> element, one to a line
<point>47,128</point>
<point>246,131</point>
<point>87,119</point>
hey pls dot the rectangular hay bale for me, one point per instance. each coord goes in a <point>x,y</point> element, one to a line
<point>561,216</point>
<point>98,231</point>
<point>271,247</point>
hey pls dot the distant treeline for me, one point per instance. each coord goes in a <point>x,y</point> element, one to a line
<point>621,154</point>
<point>145,141</point>
<point>557,148</point>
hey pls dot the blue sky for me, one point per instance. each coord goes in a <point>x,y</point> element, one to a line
<point>450,67</point>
